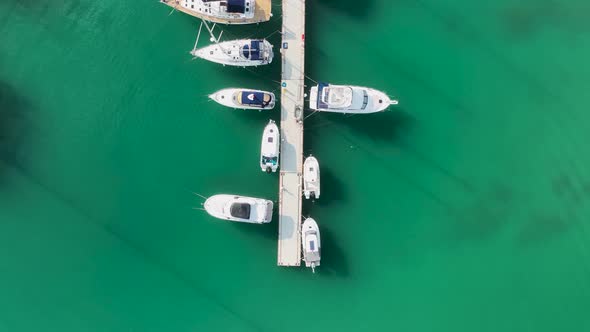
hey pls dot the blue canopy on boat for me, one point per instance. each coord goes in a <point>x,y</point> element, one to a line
<point>253,98</point>
<point>236,6</point>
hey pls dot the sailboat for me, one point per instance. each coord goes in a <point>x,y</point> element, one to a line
<point>225,11</point>
<point>310,243</point>
<point>348,99</point>
<point>270,148</point>
<point>244,98</point>
<point>239,52</point>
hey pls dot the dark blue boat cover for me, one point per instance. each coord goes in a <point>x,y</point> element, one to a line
<point>252,51</point>
<point>321,87</point>
<point>236,6</point>
<point>253,98</point>
<point>255,50</point>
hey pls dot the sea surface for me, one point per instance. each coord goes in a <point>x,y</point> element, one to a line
<point>465,208</point>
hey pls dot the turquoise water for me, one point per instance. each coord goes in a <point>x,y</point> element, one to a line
<point>465,208</point>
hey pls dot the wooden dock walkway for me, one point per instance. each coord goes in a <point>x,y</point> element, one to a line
<point>292,99</point>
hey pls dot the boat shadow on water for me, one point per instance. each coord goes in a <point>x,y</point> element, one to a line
<point>334,262</point>
<point>14,125</point>
<point>388,126</point>
<point>333,190</point>
<point>349,7</point>
<point>267,231</point>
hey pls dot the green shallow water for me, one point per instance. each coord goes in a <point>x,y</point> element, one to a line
<point>466,208</point>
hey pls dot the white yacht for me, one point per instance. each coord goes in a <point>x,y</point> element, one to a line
<point>244,98</point>
<point>241,52</point>
<point>270,148</point>
<point>239,208</point>
<point>348,99</point>
<point>225,11</point>
<point>311,178</point>
<point>310,242</point>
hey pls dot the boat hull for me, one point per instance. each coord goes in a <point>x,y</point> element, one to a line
<point>270,148</point>
<point>231,53</point>
<point>311,178</point>
<point>230,98</point>
<point>223,206</point>
<point>311,245</point>
<point>376,101</point>
<point>262,12</point>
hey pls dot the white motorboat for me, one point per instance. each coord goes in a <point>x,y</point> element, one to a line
<point>225,11</point>
<point>348,99</point>
<point>310,236</point>
<point>244,98</point>
<point>311,178</point>
<point>270,148</point>
<point>239,208</point>
<point>241,52</point>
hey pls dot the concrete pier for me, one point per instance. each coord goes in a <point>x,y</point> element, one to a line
<point>292,99</point>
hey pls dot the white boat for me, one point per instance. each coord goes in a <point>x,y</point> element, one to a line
<point>240,52</point>
<point>310,243</point>
<point>311,178</point>
<point>270,148</point>
<point>239,208</point>
<point>225,11</point>
<point>244,98</point>
<point>348,99</point>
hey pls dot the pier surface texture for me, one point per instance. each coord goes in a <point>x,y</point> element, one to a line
<point>262,12</point>
<point>292,95</point>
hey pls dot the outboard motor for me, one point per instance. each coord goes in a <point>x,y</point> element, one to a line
<point>268,170</point>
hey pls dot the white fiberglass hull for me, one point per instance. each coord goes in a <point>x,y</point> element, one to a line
<point>310,243</point>
<point>237,53</point>
<point>239,208</point>
<point>311,178</point>
<point>363,100</point>
<point>215,11</point>
<point>236,97</point>
<point>270,148</point>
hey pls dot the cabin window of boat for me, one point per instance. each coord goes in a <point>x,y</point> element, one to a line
<point>270,140</point>
<point>325,93</point>
<point>240,210</point>
<point>365,100</point>
<point>311,245</point>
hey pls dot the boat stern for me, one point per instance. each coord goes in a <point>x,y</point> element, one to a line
<point>268,53</point>
<point>313,98</point>
<point>269,208</point>
<point>263,211</point>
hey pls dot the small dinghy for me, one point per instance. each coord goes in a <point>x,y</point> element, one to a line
<point>239,208</point>
<point>311,178</point>
<point>270,148</point>
<point>310,243</point>
<point>348,99</point>
<point>244,98</point>
<point>241,52</point>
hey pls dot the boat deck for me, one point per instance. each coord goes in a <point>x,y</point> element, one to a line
<point>262,13</point>
<point>292,99</point>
